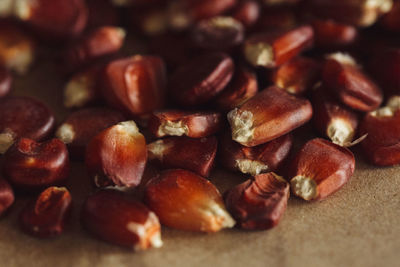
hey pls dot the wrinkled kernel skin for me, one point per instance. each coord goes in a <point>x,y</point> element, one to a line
<point>326,109</point>
<point>259,203</point>
<point>100,42</point>
<point>351,86</point>
<point>58,19</point>
<point>135,85</point>
<point>180,197</point>
<point>275,113</point>
<point>88,122</point>
<point>330,166</point>
<point>6,196</point>
<point>26,117</point>
<point>199,124</point>
<point>201,79</point>
<point>193,154</point>
<point>272,153</point>
<point>382,145</point>
<point>242,87</point>
<point>5,82</point>
<point>31,166</point>
<point>116,158</point>
<point>106,214</point>
<point>46,217</point>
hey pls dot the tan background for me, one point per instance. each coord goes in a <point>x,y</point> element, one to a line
<point>358,226</point>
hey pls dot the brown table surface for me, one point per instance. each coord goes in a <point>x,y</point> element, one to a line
<point>357,226</point>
